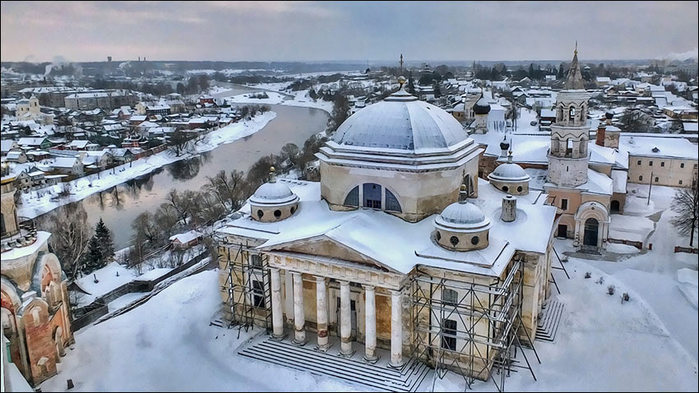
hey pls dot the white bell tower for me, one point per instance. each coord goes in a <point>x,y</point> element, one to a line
<point>568,154</point>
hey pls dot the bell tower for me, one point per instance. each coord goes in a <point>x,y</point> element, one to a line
<point>568,154</point>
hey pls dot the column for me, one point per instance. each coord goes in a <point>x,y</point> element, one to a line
<point>277,318</point>
<point>396,330</point>
<point>370,324</point>
<point>299,319</point>
<point>322,313</point>
<point>345,319</point>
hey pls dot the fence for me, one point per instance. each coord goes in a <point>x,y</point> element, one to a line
<point>636,244</point>
<point>688,250</point>
<point>99,307</point>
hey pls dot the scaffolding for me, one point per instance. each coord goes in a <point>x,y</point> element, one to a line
<point>247,287</point>
<point>476,331</point>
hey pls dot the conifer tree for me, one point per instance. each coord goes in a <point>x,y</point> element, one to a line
<point>105,241</point>
<point>93,258</point>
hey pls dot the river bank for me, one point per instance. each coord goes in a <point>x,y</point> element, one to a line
<point>36,203</point>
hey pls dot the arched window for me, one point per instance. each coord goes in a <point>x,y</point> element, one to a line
<point>450,297</point>
<point>372,195</point>
<point>352,198</point>
<point>392,203</point>
<point>571,114</point>
<point>260,213</point>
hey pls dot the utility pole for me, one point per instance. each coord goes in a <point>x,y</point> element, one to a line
<point>650,187</point>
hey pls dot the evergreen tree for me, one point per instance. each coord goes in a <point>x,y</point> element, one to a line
<point>93,258</point>
<point>104,236</point>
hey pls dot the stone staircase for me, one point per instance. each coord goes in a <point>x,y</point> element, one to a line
<point>547,326</point>
<point>306,358</point>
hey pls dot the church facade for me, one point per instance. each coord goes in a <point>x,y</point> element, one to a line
<point>34,293</point>
<point>399,248</point>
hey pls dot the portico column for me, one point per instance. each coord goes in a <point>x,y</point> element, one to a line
<point>370,327</point>
<point>299,319</point>
<point>322,313</point>
<point>345,319</point>
<point>277,318</point>
<point>396,330</point>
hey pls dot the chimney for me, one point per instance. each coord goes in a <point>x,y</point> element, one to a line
<point>509,208</point>
<point>601,132</point>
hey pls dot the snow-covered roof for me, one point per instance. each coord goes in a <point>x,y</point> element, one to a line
<point>658,147</point>
<point>401,122</point>
<point>619,181</point>
<point>402,245</point>
<point>462,217</point>
<point>64,162</point>
<point>273,193</point>
<point>186,237</point>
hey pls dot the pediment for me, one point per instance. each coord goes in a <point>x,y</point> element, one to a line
<point>325,246</point>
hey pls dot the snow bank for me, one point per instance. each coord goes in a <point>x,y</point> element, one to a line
<point>630,227</point>
<point>622,248</point>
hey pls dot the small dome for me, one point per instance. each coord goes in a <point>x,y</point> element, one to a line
<point>275,193</point>
<point>482,107</point>
<point>462,217</point>
<point>509,172</point>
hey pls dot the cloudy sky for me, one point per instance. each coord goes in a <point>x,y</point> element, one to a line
<point>269,31</point>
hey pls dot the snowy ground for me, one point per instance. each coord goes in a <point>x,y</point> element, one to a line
<point>648,343</point>
<point>37,203</point>
<point>280,98</point>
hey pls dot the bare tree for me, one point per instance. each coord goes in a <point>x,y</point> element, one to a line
<point>70,235</point>
<point>228,190</point>
<point>686,204</point>
<point>179,142</point>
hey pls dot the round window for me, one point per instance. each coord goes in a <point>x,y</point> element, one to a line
<point>277,213</point>
<point>519,189</point>
<point>260,213</point>
<point>454,240</point>
<point>293,209</point>
<point>438,236</point>
<point>505,188</point>
<point>474,240</point>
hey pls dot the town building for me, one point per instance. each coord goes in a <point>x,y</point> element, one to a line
<point>400,252</point>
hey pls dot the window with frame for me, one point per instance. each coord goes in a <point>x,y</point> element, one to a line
<point>640,178</point>
<point>681,164</point>
<point>352,198</point>
<point>449,297</point>
<point>650,163</point>
<point>258,294</point>
<point>449,334</point>
<point>372,195</point>
<point>662,163</point>
<point>392,203</point>
<point>564,204</point>
<point>639,162</point>
<point>256,261</point>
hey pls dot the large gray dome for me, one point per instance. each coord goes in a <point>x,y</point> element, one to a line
<point>401,122</point>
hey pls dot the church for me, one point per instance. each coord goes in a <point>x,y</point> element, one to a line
<point>400,254</point>
<point>35,307</point>
<point>585,179</point>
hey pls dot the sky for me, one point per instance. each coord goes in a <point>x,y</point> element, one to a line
<point>341,31</point>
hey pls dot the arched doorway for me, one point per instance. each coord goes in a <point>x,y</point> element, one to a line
<point>590,234</point>
<point>614,207</point>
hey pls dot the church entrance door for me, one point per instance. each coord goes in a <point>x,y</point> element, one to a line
<point>590,234</point>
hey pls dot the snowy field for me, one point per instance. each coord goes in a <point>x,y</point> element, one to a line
<point>34,205</point>
<point>300,99</point>
<point>647,343</point>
